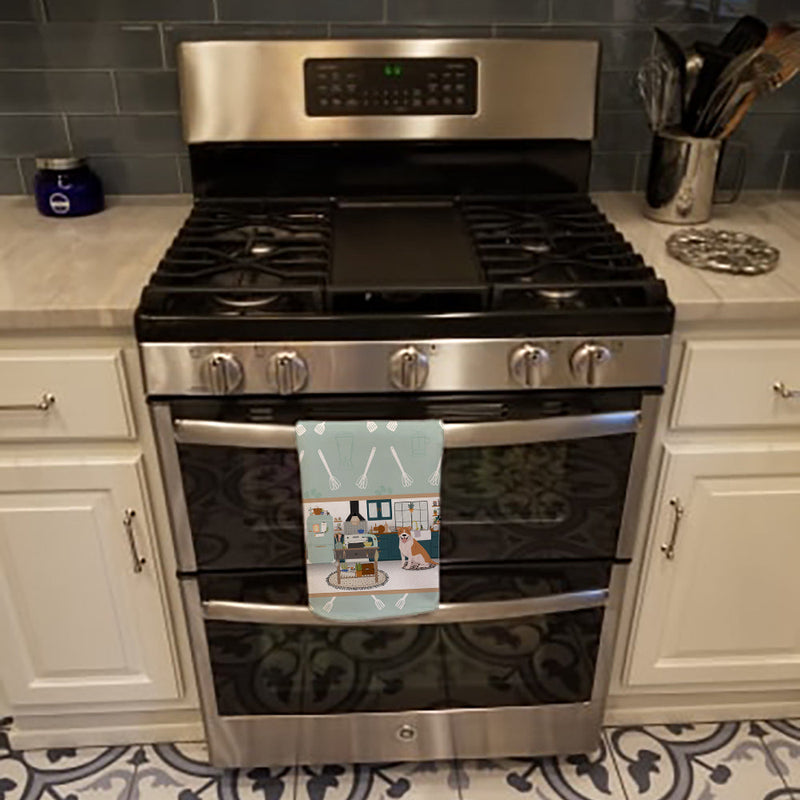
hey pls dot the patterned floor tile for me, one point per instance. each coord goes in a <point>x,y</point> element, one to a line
<point>782,739</point>
<point>720,761</point>
<point>187,765</point>
<point>424,780</point>
<point>99,773</point>
<point>576,777</point>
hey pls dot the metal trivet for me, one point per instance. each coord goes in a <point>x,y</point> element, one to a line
<point>723,251</point>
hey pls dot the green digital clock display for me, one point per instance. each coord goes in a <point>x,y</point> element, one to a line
<point>392,70</point>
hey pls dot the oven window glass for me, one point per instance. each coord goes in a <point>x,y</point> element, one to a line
<point>551,500</point>
<point>275,669</point>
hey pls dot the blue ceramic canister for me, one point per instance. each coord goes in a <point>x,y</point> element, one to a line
<point>66,187</point>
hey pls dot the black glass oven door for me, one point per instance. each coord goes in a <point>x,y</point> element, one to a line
<point>518,481</point>
<point>502,637</point>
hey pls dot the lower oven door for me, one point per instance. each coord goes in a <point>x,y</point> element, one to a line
<point>515,661</point>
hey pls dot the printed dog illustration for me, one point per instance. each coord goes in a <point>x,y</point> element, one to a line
<point>413,554</point>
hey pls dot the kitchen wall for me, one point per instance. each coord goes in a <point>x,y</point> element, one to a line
<point>97,76</point>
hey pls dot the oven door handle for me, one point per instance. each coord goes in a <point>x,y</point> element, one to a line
<point>446,613</point>
<point>456,434</point>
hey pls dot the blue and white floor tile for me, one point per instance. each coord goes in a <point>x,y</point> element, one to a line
<point>720,761</point>
<point>424,780</point>
<point>715,761</point>
<point>577,777</point>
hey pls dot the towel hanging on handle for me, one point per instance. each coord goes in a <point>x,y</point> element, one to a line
<point>371,532</point>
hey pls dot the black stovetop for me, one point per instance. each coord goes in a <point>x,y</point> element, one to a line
<point>306,269</point>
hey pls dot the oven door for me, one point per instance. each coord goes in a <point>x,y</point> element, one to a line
<point>515,661</point>
<point>528,477</point>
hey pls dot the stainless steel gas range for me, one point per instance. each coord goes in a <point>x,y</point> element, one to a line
<point>401,230</point>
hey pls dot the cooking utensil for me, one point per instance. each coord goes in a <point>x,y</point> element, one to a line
<point>657,84</point>
<point>433,480</point>
<point>715,62</point>
<point>379,604</point>
<point>405,478</point>
<point>332,482</point>
<point>694,63</point>
<point>300,429</point>
<point>300,457</point>
<point>319,428</point>
<point>392,426</point>
<point>372,427</point>
<point>676,58</point>
<point>328,606</point>
<point>401,602</point>
<point>747,33</point>
<point>362,481</point>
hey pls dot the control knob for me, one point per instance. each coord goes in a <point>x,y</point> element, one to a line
<point>224,373</point>
<point>408,369</point>
<point>589,361</point>
<point>288,372</point>
<point>529,365</point>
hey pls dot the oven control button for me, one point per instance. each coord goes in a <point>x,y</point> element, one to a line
<point>287,372</point>
<point>529,365</point>
<point>408,369</point>
<point>589,361</point>
<point>223,373</point>
<point>406,733</point>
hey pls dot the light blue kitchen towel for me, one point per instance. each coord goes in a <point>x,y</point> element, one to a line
<point>371,516</point>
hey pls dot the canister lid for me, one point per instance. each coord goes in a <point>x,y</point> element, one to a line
<point>59,162</point>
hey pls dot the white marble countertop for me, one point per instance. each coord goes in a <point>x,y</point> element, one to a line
<point>700,295</point>
<point>89,272</point>
<point>85,272</point>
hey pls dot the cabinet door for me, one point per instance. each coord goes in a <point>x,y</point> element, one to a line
<point>723,610</point>
<point>77,623</point>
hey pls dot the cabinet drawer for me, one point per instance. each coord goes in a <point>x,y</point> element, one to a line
<point>730,384</point>
<point>89,391</point>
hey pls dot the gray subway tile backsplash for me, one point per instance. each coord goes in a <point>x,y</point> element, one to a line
<point>301,10</point>
<point>10,182</point>
<point>175,34</point>
<point>147,90</point>
<point>467,11</point>
<point>127,10</point>
<point>31,135</point>
<point>78,46</point>
<point>127,133</point>
<point>106,69</point>
<point>38,91</point>
<point>20,11</point>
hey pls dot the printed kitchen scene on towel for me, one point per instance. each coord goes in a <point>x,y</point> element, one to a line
<point>371,516</point>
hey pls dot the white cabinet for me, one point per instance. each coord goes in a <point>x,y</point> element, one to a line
<point>79,624</point>
<point>722,613</point>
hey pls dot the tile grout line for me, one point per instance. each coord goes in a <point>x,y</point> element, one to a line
<point>67,131</point>
<point>215,7</point>
<point>610,748</point>
<point>181,188</point>
<point>784,170</point>
<point>43,9</point>
<point>114,90</point>
<point>21,174</point>
<point>163,46</point>
<point>385,12</point>
<point>772,760</point>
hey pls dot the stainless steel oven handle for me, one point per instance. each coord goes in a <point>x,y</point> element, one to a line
<point>263,614</point>
<point>456,434</point>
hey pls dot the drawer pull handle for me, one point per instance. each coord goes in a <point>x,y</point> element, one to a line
<point>127,523</point>
<point>45,404</point>
<point>780,388</point>
<point>669,549</point>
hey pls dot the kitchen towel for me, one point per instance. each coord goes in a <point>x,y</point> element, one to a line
<point>371,516</point>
